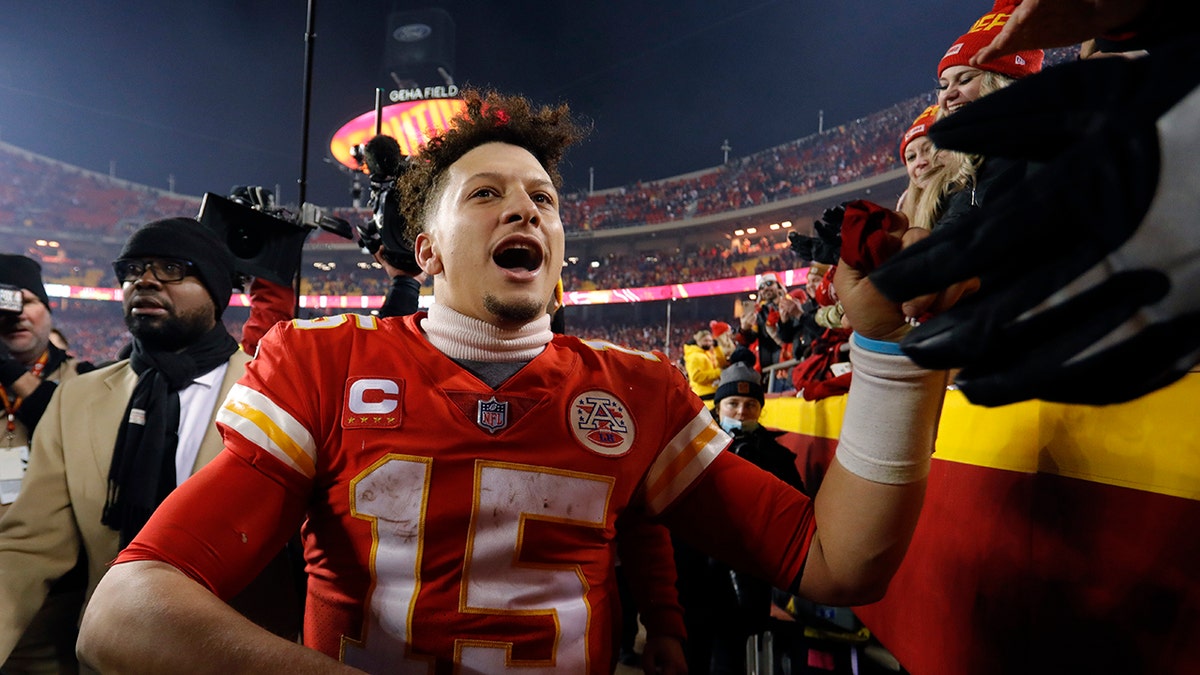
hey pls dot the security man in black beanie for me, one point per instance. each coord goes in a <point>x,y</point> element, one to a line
<point>31,368</point>
<point>722,608</point>
<point>114,442</point>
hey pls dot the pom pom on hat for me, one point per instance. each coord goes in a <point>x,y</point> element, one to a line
<point>718,328</point>
<point>1018,65</point>
<point>739,380</point>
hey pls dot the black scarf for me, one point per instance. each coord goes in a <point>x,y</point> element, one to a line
<point>142,472</point>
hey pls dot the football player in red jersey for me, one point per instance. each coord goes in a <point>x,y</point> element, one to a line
<point>459,475</point>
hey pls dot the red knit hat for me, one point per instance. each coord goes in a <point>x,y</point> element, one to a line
<point>981,34</point>
<point>919,128</point>
<point>718,328</point>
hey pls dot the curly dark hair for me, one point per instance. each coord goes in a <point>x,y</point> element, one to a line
<point>489,117</point>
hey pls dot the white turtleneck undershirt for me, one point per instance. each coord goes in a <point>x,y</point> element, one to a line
<point>464,338</point>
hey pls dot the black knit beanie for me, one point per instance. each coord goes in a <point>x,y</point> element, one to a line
<point>186,238</point>
<point>739,380</point>
<point>22,272</point>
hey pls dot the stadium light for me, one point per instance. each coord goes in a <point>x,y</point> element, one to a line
<point>738,233</point>
<point>774,226</point>
<point>751,230</point>
<point>786,224</point>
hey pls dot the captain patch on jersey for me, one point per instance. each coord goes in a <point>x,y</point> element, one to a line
<point>372,403</point>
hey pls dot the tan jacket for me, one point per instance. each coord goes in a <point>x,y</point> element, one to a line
<point>63,494</point>
<point>48,645</point>
<point>20,435</point>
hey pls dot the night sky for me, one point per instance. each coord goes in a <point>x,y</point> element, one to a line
<point>212,92</point>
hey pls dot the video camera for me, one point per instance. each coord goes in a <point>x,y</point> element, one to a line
<point>384,230</point>
<point>266,240</point>
<point>11,300</point>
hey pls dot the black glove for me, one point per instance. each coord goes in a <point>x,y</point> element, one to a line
<point>1089,267</point>
<point>11,369</point>
<point>829,227</point>
<point>404,259</point>
<point>826,246</point>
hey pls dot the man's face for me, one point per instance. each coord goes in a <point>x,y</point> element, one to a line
<point>27,334</point>
<point>741,408</point>
<point>494,241</point>
<point>705,341</point>
<point>769,291</point>
<point>167,315</point>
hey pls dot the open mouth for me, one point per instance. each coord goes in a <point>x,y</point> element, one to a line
<point>518,256</point>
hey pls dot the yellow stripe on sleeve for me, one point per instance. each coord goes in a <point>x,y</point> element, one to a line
<point>683,460</point>
<point>271,428</point>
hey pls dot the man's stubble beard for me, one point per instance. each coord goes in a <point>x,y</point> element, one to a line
<point>172,332</point>
<point>519,312</point>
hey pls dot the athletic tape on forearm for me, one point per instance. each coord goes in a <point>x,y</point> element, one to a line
<point>891,417</point>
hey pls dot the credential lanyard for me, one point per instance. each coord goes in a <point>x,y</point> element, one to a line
<point>12,405</point>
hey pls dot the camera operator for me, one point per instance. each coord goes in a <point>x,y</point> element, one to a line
<point>382,235</point>
<point>31,368</point>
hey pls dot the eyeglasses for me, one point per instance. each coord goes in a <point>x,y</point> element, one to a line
<point>165,270</point>
<point>767,284</point>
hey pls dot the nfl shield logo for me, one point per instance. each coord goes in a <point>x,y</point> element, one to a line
<point>492,415</point>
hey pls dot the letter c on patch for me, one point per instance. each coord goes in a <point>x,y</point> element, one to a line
<point>373,397</point>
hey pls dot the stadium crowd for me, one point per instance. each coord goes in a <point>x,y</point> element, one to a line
<point>849,152</point>
<point>696,263</point>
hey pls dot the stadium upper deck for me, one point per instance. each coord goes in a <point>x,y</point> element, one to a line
<point>90,213</point>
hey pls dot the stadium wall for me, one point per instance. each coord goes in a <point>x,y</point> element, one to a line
<point>1054,538</point>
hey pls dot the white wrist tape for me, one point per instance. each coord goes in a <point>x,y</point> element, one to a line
<point>891,418</point>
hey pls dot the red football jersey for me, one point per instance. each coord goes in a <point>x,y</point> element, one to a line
<point>450,526</point>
